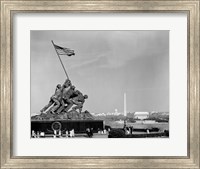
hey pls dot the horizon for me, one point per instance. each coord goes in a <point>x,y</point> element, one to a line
<point>119,113</point>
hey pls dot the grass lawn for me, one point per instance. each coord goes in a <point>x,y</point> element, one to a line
<point>161,126</point>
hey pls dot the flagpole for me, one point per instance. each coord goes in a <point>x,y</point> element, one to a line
<point>60,60</point>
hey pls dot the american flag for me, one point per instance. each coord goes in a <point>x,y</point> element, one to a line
<point>64,51</point>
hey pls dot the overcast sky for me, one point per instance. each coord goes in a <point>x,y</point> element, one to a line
<point>106,65</point>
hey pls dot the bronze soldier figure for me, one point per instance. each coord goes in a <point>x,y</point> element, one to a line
<point>66,99</point>
<point>55,99</point>
<point>79,101</point>
<point>67,83</point>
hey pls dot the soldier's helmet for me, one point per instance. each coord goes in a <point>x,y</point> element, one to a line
<point>78,92</point>
<point>85,96</point>
<point>73,87</point>
<point>68,81</point>
<point>58,86</point>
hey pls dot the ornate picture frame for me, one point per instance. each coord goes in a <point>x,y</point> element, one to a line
<point>10,8</point>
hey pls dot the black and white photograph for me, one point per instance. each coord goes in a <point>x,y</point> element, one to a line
<point>99,84</point>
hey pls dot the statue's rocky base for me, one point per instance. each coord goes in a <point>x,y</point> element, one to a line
<point>71,115</point>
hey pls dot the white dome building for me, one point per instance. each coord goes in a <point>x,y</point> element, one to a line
<point>141,115</point>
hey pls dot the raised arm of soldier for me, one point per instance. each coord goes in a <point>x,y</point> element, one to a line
<point>67,83</point>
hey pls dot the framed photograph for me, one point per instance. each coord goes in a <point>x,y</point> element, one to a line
<point>99,84</point>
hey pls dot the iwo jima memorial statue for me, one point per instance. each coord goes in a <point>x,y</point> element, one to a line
<point>64,111</point>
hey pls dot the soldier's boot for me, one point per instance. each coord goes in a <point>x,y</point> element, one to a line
<point>53,110</point>
<point>74,108</point>
<point>79,107</point>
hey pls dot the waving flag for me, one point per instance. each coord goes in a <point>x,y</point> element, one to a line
<point>64,51</point>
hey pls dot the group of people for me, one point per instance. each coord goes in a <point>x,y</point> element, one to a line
<point>64,98</point>
<point>68,133</point>
<point>128,130</point>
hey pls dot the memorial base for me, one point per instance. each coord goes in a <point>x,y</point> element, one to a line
<point>79,126</point>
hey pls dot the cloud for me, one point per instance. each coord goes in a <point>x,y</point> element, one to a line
<point>85,63</point>
<point>117,48</point>
<point>107,49</point>
<point>127,45</point>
